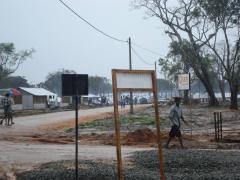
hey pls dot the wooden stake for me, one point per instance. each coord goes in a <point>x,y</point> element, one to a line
<point>160,153</point>
<point>215,125</point>
<point>117,126</point>
<point>130,68</point>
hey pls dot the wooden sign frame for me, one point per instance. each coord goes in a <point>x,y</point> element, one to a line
<point>116,115</point>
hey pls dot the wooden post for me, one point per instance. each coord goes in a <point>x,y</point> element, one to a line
<point>160,153</point>
<point>218,125</point>
<point>155,67</point>
<point>190,102</point>
<point>221,135</point>
<point>215,125</point>
<point>130,68</point>
<point>117,126</point>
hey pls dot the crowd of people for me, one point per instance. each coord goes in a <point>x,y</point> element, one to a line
<point>125,100</point>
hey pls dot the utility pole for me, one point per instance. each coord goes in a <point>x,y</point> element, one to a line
<point>130,68</point>
<point>155,65</point>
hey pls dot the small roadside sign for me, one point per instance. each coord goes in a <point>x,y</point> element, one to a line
<point>184,81</point>
<point>75,85</point>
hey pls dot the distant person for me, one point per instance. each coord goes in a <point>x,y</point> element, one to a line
<point>175,117</point>
<point>7,107</point>
<point>122,102</point>
<point>135,100</point>
<point>127,100</point>
<point>103,100</point>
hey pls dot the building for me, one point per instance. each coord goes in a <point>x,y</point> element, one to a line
<point>36,98</point>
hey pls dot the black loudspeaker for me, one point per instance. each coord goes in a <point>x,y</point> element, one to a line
<point>74,84</point>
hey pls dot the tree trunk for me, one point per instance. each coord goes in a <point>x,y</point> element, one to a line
<point>234,94</point>
<point>208,86</point>
<point>222,89</point>
<point>212,99</point>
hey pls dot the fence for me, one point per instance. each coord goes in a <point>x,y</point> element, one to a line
<point>218,125</point>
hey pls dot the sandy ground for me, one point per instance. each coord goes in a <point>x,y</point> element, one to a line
<point>39,139</point>
<point>18,153</point>
<point>28,123</point>
<point>16,157</point>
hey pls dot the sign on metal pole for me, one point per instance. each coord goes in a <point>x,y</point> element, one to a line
<point>184,84</point>
<point>184,81</point>
<point>75,85</point>
<point>134,80</point>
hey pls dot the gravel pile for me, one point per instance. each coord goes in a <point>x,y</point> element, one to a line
<point>179,164</point>
<point>89,170</point>
<point>192,164</point>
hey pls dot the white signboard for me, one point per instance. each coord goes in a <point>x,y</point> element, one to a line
<point>183,81</point>
<point>134,80</point>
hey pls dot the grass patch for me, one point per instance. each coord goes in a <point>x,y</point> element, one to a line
<point>109,122</point>
<point>20,113</point>
<point>68,130</point>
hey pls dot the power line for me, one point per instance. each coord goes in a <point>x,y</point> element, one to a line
<point>146,49</point>
<point>150,64</point>
<point>94,27</point>
<point>109,36</point>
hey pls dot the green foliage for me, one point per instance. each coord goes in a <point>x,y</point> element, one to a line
<point>174,62</point>
<point>14,81</point>
<point>53,81</point>
<point>68,130</point>
<point>219,9</point>
<point>170,69</point>
<point>195,27</point>
<point>141,120</point>
<point>99,85</point>
<point>164,85</point>
<point>109,122</point>
<point>10,59</point>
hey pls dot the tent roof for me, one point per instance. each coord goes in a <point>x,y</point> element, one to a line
<point>37,91</point>
<point>11,91</point>
<point>91,96</point>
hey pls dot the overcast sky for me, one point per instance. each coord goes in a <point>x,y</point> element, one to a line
<point>62,40</point>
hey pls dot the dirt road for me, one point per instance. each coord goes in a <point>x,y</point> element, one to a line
<point>16,155</point>
<point>30,123</point>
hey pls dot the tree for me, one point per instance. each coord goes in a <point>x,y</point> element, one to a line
<point>14,81</point>
<point>174,65</point>
<point>96,84</point>
<point>189,30</point>
<point>10,59</point>
<point>53,81</point>
<point>225,14</point>
<point>99,85</point>
<point>164,86</point>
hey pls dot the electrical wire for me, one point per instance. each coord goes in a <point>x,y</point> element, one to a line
<point>97,29</point>
<point>146,49</point>
<point>139,57</point>
<point>111,37</point>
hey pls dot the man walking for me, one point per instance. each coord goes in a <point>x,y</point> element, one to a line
<point>175,117</point>
<point>7,107</point>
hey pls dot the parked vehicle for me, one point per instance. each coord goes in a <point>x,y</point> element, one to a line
<point>143,100</point>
